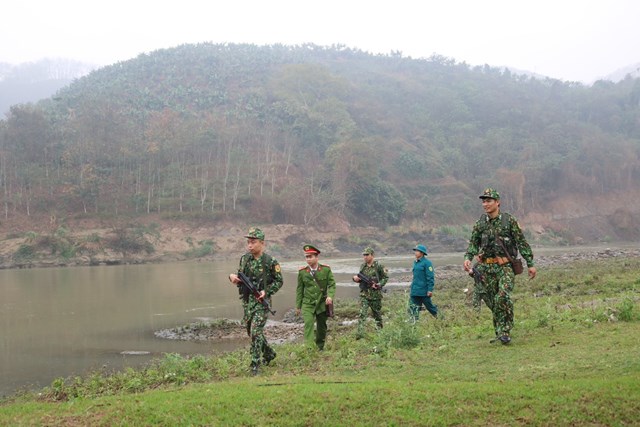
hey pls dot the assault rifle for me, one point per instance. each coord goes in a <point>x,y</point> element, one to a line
<point>246,282</point>
<point>365,282</point>
<point>478,278</point>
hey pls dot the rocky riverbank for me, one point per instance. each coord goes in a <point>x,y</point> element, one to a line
<point>277,332</point>
<point>290,329</point>
<point>91,244</point>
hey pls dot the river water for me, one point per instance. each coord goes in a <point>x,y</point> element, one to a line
<point>60,322</point>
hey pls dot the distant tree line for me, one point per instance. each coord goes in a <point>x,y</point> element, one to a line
<point>300,134</point>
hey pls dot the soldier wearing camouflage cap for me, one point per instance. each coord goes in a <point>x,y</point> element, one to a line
<point>255,233</point>
<point>370,297</point>
<point>314,293</point>
<point>496,239</point>
<point>490,193</point>
<point>264,272</point>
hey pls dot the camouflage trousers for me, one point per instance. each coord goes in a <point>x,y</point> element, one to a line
<point>375,303</point>
<point>255,317</point>
<point>495,291</point>
<point>480,294</point>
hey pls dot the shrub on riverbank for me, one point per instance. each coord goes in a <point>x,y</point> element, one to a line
<point>572,361</point>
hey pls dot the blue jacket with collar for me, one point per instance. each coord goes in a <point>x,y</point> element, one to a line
<point>423,277</point>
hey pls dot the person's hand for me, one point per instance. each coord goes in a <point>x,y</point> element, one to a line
<point>233,278</point>
<point>376,286</point>
<point>532,273</point>
<point>429,294</point>
<point>297,312</point>
<point>467,265</point>
<point>355,278</point>
<point>261,296</point>
<point>328,300</point>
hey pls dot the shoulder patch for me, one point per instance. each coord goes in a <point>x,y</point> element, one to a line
<point>277,268</point>
<point>302,268</point>
<point>430,268</point>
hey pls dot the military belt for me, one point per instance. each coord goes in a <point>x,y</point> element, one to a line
<point>495,260</point>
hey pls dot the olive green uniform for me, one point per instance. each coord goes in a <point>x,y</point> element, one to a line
<point>311,294</point>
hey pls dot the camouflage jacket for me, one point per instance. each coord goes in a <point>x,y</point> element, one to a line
<point>377,273</point>
<point>264,272</point>
<point>485,234</point>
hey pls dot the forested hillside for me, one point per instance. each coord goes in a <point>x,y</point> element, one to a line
<point>282,134</point>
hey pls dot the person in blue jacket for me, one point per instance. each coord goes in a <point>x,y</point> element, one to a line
<point>422,285</point>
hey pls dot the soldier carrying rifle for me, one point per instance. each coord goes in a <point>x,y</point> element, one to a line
<point>372,278</point>
<point>262,272</point>
<point>495,240</point>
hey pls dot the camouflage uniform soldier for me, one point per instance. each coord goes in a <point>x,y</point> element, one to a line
<point>371,296</point>
<point>264,272</point>
<point>490,233</point>
<point>316,289</point>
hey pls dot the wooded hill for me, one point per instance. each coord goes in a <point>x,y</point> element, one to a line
<point>282,134</point>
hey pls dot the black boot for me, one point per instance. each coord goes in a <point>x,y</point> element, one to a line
<point>255,368</point>
<point>269,355</point>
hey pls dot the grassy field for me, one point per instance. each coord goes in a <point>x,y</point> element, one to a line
<point>574,360</point>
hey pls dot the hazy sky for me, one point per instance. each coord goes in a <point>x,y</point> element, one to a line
<point>565,39</point>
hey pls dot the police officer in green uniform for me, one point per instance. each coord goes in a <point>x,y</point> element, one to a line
<point>316,289</point>
<point>371,297</point>
<point>264,271</point>
<point>492,236</point>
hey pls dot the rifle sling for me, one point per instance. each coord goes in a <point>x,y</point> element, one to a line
<point>324,291</point>
<point>504,248</point>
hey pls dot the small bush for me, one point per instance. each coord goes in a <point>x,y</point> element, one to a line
<point>205,248</point>
<point>68,251</point>
<point>93,238</point>
<point>61,232</point>
<point>401,334</point>
<point>24,253</point>
<point>626,310</point>
<point>130,241</point>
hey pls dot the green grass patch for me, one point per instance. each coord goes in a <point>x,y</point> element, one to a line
<point>573,361</point>
<point>202,249</point>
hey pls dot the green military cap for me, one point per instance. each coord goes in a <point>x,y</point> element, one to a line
<point>421,248</point>
<point>490,193</point>
<point>368,251</point>
<point>255,233</point>
<point>310,249</point>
